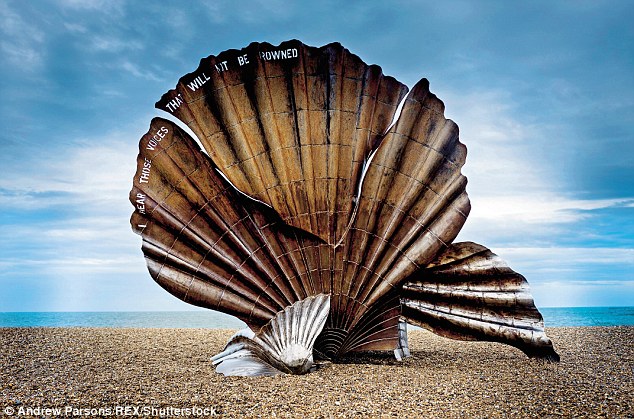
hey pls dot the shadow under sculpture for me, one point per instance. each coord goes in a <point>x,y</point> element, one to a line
<point>314,218</point>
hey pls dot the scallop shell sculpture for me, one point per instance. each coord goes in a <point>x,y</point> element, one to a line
<point>313,217</point>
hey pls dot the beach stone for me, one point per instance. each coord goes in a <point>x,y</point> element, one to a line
<point>104,367</point>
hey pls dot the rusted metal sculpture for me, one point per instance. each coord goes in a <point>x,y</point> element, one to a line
<point>308,200</point>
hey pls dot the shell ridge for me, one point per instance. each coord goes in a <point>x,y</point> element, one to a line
<point>363,168</point>
<point>278,342</point>
<point>365,228</point>
<point>308,126</point>
<point>260,174</point>
<point>220,115</point>
<point>239,272</point>
<point>171,255</point>
<point>308,168</point>
<point>273,284</point>
<point>181,228</point>
<point>253,97</point>
<point>308,285</point>
<point>451,202</point>
<point>408,241</point>
<point>194,299</point>
<point>289,77</point>
<point>295,279</point>
<point>289,263</point>
<point>310,330</point>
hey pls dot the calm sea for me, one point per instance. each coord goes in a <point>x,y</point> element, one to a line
<point>553,317</point>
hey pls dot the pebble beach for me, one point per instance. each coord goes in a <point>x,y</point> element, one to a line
<point>167,372</point>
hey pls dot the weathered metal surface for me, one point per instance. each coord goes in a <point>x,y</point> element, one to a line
<point>348,208</point>
<point>469,293</point>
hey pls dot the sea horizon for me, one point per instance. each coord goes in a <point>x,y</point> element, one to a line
<point>553,317</point>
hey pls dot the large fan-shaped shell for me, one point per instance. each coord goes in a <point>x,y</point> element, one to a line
<point>302,190</point>
<point>290,125</point>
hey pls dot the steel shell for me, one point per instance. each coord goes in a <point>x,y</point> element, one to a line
<point>308,185</point>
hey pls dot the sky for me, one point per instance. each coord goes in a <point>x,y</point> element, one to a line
<point>543,93</point>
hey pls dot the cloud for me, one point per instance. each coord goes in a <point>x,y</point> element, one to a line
<point>21,199</point>
<point>113,44</point>
<point>77,266</point>
<point>503,157</point>
<point>258,11</point>
<point>575,276</point>
<point>21,42</point>
<point>539,208</point>
<point>569,256</point>
<point>136,72</point>
<point>104,6</point>
<point>92,170</point>
<point>71,216</point>
<point>75,27</point>
<point>519,194</point>
<point>583,293</point>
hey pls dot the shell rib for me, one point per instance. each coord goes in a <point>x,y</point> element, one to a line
<point>469,293</point>
<point>284,345</point>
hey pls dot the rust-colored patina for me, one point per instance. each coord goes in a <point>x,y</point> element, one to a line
<point>308,187</point>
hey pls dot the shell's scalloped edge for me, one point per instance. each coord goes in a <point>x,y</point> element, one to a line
<point>233,52</point>
<point>424,85</point>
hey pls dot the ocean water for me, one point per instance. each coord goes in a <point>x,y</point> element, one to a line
<point>553,317</point>
<point>145,319</point>
<point>588,316</point>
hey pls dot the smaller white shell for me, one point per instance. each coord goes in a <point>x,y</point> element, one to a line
<point>284,345</point>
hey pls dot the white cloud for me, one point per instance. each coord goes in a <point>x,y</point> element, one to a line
<point>75,27</point>
<point>137,72</point>
<point>538,208</point>
<point>113,44</point>
<point>517,191</point>
<point>582,294</point>
<point>103,6</point>
<point>21,42</point>
<point>93,171</point>
<point>78,266</point>
<point>88,186</point>
<point>502,157</point>
<point>575,276</point>
<point>258,11</point>
<point>568,256</point>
